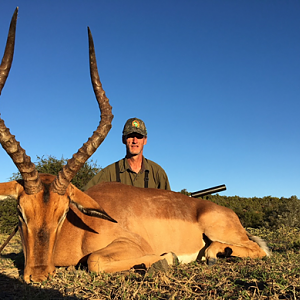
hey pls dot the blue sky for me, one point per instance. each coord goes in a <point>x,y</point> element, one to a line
<point>216,82</point>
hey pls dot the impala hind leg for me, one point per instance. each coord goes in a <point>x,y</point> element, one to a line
<point>122,255</point>
<point>248,249</point>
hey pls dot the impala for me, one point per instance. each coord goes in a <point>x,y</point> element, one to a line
<point>111,227</point>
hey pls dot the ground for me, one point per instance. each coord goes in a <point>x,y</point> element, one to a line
<point>277,277</point>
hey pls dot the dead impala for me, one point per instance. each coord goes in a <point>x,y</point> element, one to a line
<point>112,227</point>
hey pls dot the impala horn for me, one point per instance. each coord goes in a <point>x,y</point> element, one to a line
<point>32,182</point>
<point>64,177</point>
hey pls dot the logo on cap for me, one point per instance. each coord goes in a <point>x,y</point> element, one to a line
<point>135,124</point>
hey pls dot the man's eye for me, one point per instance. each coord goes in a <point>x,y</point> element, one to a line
<point>136,135</point>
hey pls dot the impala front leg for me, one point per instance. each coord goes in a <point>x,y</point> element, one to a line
<point>122,255</point>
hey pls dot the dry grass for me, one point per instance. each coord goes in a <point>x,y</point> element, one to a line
<point>277,277</point>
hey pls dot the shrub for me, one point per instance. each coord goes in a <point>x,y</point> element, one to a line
<point>8,215</point>
<point>269,212</point>
<point>50,165</point>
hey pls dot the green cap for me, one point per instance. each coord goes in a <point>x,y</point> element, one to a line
<point>135,125</point>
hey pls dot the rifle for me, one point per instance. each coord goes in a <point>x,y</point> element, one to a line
<point>9,238</point>
<point>209,191</point>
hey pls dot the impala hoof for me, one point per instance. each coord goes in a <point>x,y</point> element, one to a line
<point>159,266</point>
<point>211,261</point>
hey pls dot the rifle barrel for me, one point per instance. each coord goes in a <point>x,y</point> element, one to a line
<point>209,191</point>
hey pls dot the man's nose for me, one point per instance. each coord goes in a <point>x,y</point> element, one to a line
<point>135,139</point>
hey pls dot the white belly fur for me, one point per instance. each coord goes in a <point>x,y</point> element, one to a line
<point>187,258</point>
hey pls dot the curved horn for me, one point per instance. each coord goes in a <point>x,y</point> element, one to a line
<point>60,184</point>
<point>9,50</point>
<point>32,182</point>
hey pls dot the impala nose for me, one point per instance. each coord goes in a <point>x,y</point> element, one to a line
<point>38,274</point>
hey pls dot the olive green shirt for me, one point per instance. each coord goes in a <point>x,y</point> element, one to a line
<point>157,177</point>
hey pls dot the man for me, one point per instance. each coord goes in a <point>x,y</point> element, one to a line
<point>134,169</point>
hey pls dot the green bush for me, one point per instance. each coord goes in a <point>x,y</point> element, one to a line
<point>269,212</point>
<point>50,165</point>
<point>8,215</point>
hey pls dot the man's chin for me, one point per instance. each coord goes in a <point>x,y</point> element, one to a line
<point>135,153</point>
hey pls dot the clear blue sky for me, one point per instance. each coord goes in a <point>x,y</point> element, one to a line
<point>216,82</point>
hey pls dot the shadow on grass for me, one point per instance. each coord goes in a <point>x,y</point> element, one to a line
<point>16,258</point>
<point>251,285</point>
<point>11,289</point>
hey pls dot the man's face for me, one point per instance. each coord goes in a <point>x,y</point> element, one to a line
<point>135,143</point>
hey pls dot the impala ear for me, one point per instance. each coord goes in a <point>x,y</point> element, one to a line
<point>11,189</point>
<point>86,204</point>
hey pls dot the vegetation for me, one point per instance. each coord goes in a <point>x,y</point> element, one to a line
<point>50,165</point>
<point>8,215</point>
<point>267,212</point>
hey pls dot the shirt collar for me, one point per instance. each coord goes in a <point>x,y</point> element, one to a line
<point>125,165</point>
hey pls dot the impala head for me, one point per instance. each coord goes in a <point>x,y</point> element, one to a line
<point>44,200</point>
